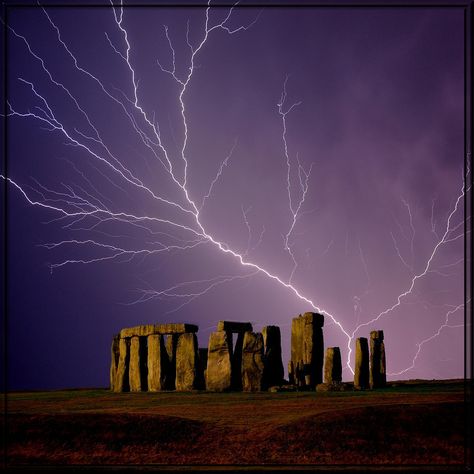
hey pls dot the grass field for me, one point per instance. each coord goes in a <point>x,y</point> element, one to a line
<point>405,424</point>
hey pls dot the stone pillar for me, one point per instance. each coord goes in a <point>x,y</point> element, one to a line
<point>170,372</point>
<point>121,376</point>
<point>218,373</point>
<point>115,354</point>
<point>377,370</point>
<point>202,367</point>
<point>361,366</point>
<point>187,362</point>
<point>157,363</point>
<point>252,362</point>
<point>333,366</point>
<point>138,364</point>
<point>307,349</point>
<point>273,365</point>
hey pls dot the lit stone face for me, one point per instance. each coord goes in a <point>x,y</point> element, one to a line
<point>187,362</point>
<point>219,370</point>
<point>361,366</point>
<point>252,362</point>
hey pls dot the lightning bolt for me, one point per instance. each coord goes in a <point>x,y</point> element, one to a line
<point>77,205</point>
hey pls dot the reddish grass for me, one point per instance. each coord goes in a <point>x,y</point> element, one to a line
<point>393,427</point>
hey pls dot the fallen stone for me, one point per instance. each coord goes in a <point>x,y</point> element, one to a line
<point>187,363</point>
<point>252,362</point>
<point>218,373</point>
<point>333,365</point>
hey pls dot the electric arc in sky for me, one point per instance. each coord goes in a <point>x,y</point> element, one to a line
<point>177,218</point>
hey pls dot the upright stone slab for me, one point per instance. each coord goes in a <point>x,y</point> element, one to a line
<point>236,360</point>
<point>332,366</point>
<point>273,365</point>
<point>157,363</point>
<point>114,359</point>
<point>218,373</point>
<point>252,362</point>
<point>171,344</point>
<point>377,369</point>
<point>361,366</point>
<point>202,367</point>
<point>187,371</point>
<point>138,364</point>
<point>121,376</point>
<point>307,349</point>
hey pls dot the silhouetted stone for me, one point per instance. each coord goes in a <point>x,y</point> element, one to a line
<point>233,326</point>
<point>273,365</point>
<point>361,367</point>
<point>291,373</point>
<point>218,373</point>
<point>252,362</point>
<point>307,349</point>
<point>121,375</point>
<point>149,329</point>
<point>236,360</point>
<point>171,343</point>
<point>138,364</point>
<point>202,367</point>
<point>377,369</point>
<point>157,363</point>
<point>187,362</point>
<point>114,359</point>
<point>332,365</point>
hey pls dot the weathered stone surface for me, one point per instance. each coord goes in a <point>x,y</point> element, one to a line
<point>252,362</point>
<point>307,349</point>
<point>187,362</point>
<point>157,363</point>
<point>121,376</point>
<point>361,366</point>
<point>377,366</point>
<point>233,326</point>
<point>148,329</point>
<point>332,365</point>
<point>218,373</point>
<point>114,359</point>
<point>137,375</point>
<point>273,365</point>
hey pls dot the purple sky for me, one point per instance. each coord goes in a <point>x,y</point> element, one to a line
<point>380,122</point>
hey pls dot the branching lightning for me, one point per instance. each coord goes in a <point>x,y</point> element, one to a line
<point>77,205</point>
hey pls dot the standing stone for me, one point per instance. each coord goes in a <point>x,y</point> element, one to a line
<point>273,365</point>
<point>202,367</point>
<point>377,370</point>
<point>187,362</point>
<point>361,369</point>
<point>138,364</point>
<point>121,376</point>
<point>236,360</point>
<point>218,373</point>
<point>291,373</point>
<point>333,366</point>
<point>171,344</point>
<point>307,349</point>
<point>252,362</point>
<point>115,354</point>
<point>157,363</point>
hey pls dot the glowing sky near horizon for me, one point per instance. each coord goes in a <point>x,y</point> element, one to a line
<point>312,159</point>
